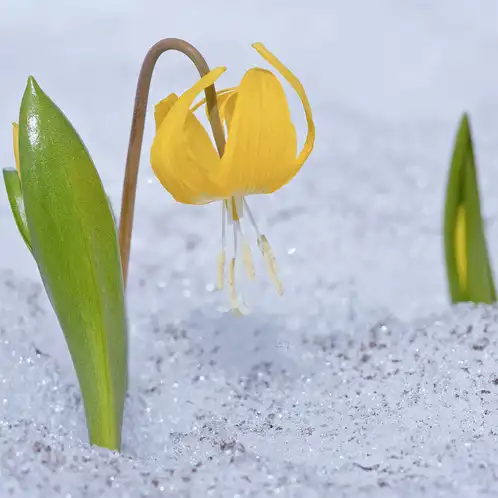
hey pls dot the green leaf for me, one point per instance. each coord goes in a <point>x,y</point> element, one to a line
<point>74,242</point>
<point>467,262</point>
<point>16,201</point>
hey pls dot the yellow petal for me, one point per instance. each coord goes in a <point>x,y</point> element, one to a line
<point>260,154</point>
<point>219,96</point>
<point>182,155</point>
<point>226,103</point>
<point>298,87</point>
<point>15,136</point>
<point>228,109</point>
<point>162,108</point>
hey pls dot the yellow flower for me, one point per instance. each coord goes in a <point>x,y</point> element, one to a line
<point>260,154</point>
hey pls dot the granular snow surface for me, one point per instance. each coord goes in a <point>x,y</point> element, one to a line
<point>361,380</point>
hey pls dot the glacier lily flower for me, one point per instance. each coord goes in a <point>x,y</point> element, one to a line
<point>259,158</point>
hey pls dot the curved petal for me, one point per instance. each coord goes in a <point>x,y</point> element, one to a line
<point>163,107</point>
<point>229,109</point>
<point>260,154</point>
<point>226,101</point>
<point>298,87</point>
<point>182,156</point>
<point>15,137</point>
<point>220,95</point>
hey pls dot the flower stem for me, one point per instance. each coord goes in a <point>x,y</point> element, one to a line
<point>137,132</point>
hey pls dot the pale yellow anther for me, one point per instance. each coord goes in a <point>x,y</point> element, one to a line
<point>271,263</point>
<point>221,269</point>
<point>248,261</point>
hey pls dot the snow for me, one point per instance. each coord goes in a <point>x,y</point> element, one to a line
<point>361,380</point>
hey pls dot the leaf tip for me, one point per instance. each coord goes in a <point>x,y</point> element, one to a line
<point>32,93</point>
<point>32,85</point>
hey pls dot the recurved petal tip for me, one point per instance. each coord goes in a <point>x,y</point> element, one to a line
<point>162,108</point>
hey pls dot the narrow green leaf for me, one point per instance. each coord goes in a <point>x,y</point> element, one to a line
<point>467,262</point>
<point>74,242</point>
<point>16,201</point>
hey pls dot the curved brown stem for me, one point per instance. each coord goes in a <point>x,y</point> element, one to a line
<point>137,133</point>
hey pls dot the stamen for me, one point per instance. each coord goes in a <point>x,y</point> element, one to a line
<point>266,251</point>
<point>246,252</point>
<point>231,288</point>
<point>271,263</point>
<point>231,214</point>
<point>222,255</point>
<point>237,207</point>
<point>235,221</point>
<point>251,219</point>
<point>247,257</point>
<point>221,270</point>
<point>232,291</point>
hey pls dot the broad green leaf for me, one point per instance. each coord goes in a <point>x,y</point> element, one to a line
<point>467,262</point>
<point>74,242</point>
<point>16,201</point>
